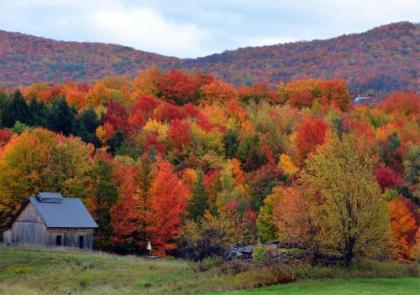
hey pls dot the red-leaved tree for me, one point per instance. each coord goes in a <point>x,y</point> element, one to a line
<point>387,178</point>
<point>125,213</point>
<point>168,199</point>
<point>310,133</point>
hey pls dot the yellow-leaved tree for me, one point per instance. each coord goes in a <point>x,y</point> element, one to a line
<point>287,166</point>
<point>267,230</point>
<point>344,198</point>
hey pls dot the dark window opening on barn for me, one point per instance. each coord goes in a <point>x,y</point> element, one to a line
<point>81,242</point>
<point>58,240</point>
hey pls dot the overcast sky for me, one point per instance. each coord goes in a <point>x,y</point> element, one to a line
<point>191,28</point>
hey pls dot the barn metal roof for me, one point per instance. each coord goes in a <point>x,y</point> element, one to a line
<point>68,212</point>
<point>47,197</point>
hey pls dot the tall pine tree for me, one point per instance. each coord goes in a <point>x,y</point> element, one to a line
<point>198,203</point>
<point>16,110</point>
<point>62,117</point>
<point>105,197</point>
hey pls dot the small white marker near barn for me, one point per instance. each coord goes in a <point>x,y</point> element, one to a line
<point>149,247</point>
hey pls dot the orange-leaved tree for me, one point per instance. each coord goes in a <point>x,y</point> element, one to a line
<point>125,213</point>
<point>291,216</point>
<point>402,214</point>
<point>168,199</point>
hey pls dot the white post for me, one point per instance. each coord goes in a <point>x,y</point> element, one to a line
<point>149,248</point>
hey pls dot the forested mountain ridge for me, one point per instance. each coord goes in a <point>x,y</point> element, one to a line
<point>377,61</point>
<point>26,59</point>
<point>374,63</point>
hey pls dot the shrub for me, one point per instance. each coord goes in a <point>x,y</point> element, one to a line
<point>235,266</point>
<point>208,263</point>
<point>259,253</point>
<point>263,276</point>
<point>208,238</point>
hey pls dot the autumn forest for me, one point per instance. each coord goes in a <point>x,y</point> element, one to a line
<point>194,164</point>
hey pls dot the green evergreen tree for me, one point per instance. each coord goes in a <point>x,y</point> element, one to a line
<point>115,142</point>
<point>250,154</point>
<point>4,100</point>
<point>412,170</point>
<point>199,200</point>
<point>16,110</point>
<point>105,197</point>
<point>231,142</point>
<point>61,117</point>
<point>90,120</point>
<point>86,125</point>
<point>40,112</point>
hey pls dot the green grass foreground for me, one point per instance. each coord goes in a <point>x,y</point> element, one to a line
<point>389,286</point>
<point>39,272</point>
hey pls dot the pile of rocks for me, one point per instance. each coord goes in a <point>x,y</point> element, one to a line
<point>279,252</point>
<point>239,251</point>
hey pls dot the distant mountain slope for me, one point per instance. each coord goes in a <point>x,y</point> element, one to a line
<point>380,60</point>
<point>375,62</point>
<point>26,59</point>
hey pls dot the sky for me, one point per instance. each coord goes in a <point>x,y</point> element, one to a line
<point>193,28</point>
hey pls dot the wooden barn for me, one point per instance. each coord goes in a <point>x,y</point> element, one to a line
<point>50,220</point>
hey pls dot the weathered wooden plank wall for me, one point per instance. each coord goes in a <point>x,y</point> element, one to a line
<point>29,229</point>
<point>70,237</point>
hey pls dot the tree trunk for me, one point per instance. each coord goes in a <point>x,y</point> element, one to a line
<point>315,254</point>
<point>348,256</point>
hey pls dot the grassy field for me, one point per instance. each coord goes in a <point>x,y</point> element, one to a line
<point>396,286</point>
<point>38,272</point>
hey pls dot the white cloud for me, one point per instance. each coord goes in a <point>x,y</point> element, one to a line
<point>109,21</point>
<point>147,29</point>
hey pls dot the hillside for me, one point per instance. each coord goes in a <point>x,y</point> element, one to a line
<point>380,60</point>
<point>37,272</point>
<point>375,62</point>
<point>26,59</point>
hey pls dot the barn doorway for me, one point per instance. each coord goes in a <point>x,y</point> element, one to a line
<point>58,240</point>
<point>81,242</point>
